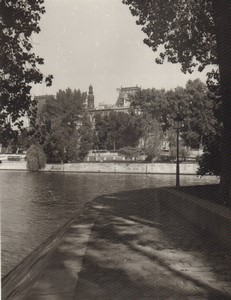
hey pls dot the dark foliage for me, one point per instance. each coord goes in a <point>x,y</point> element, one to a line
<point>18,64</point>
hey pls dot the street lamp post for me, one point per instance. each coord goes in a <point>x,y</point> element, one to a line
<point>177,159</point>
<point>63,156</point>
<point>178,121</point>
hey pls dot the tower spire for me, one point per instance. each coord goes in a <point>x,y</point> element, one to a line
<point>90,98</point>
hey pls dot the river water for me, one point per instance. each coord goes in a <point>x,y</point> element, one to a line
<point>35,205</point>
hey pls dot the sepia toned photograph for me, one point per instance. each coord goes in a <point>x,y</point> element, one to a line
<point>115,149</point>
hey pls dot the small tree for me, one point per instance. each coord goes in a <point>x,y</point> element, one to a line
<point>153,140</point>
<point>86,137</point>
<point>36,158</point>
<point>57,125</point>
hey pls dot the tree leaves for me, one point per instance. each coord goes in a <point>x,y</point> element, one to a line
<point>185,29</point>
<point>118,130</point>
<point>18,64</point>
<point>36,158</point>
<point>57,125</point>
<point>193,103</point>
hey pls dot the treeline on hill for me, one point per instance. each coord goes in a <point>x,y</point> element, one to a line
<point>65,131</point>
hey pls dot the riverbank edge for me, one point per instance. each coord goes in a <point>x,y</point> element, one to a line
<point>107,167</point>
<point>19,280</point>
<point>210,217</point>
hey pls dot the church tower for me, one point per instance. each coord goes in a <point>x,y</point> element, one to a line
<point>90,98</point>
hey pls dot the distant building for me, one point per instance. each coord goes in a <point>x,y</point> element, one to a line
<point>125,94</point>
<point>110,156</point>
<point>122,104</point>
<point>103,156</point>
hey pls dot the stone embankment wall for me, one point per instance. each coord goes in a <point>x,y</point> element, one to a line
<point>136,168</point>
<point>139,168</point>
<point>20,166</point>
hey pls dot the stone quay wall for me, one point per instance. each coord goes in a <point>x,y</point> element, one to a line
<point>19,166</point>
<point>136,168</point>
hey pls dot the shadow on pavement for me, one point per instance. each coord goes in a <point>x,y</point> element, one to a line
<point>132,247</point>
<point>141,250</point>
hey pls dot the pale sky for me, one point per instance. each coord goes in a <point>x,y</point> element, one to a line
<point>97,42</point>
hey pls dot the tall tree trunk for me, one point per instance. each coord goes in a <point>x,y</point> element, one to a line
<point>222,18</point>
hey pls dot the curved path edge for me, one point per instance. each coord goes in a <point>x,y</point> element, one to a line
<point>19,280</point>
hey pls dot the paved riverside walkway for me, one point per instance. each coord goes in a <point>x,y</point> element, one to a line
<point>130,246</point>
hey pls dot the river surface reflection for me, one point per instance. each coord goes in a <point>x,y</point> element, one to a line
<point>35,205</point>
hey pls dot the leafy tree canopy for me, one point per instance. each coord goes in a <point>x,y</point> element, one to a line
<point>153,138</point>
<point>18,64</point>
<point>86,136</point>
<point>36,158</point>
<point>57,125</point>
<point>117,130</point>
<point>194,103</point>
<point>183,31</point>
<point>194,34</point>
